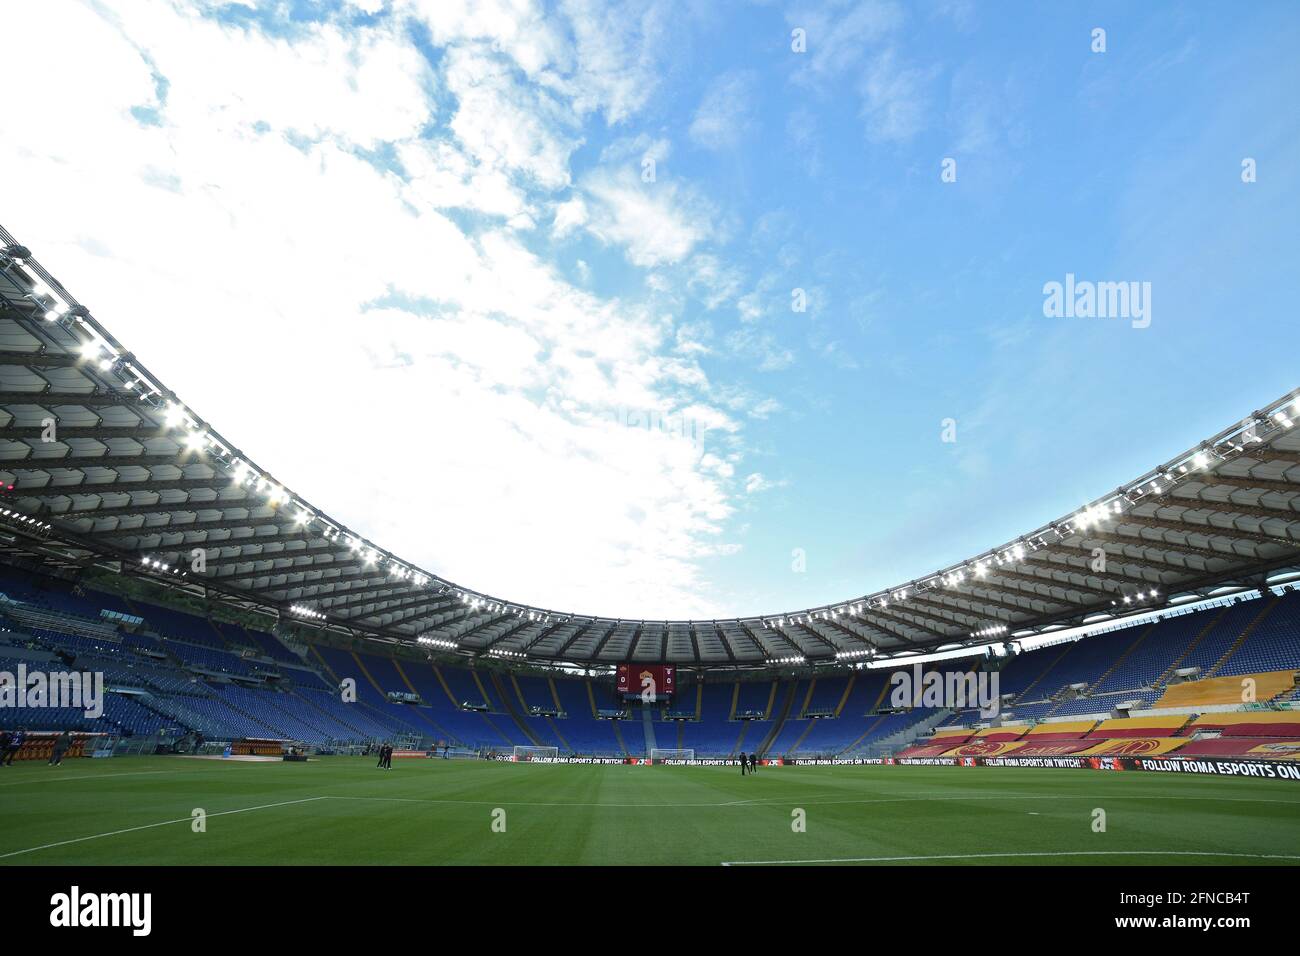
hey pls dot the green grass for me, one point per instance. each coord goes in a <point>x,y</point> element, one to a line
<point>440,812</point>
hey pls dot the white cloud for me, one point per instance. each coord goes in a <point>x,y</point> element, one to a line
<point>657,223</point>
<point>726,114</point>
<point>839,35</point>
<point>895,99</point>
<point>516,28</point>
<point>601,56</point>
<point>617,45</point>
<point>859,40</point>
<point>569,215</point>
<point>435,384</point>
<point>362,87</point>
<point>442,176</point>
<point>761,346</point>
<point>505,124</point>
<point>713,281</point>
<point>641,147</point>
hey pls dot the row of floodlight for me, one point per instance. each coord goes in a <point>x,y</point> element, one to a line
<point>437,642</point>
<point>32,524</point>
<point>157,564</point>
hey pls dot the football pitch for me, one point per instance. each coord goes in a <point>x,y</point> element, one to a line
<point>341,810</point>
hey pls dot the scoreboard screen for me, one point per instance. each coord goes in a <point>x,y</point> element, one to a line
<point>650,681</point>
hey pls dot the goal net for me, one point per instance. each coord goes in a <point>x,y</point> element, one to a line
<point>536,753</point>
<point>661,753</point>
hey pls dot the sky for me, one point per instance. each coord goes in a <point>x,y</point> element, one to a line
<point>674,308</point>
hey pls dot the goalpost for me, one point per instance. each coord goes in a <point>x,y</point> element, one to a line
<point>534,753</point>
<point>665,753</point>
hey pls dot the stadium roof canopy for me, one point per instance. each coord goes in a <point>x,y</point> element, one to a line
<point>109,468</point>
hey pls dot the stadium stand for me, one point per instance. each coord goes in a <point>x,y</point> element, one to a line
<point>173,672</point>
<point>1253,723</point>
<point>1215,691</point>
<point>1266,748</point>
<point>1162,725</point>
<point>1133,747</point>
<point>1011,732</point>
<point>1039,747</point>
<point>939,743</point>
<point>180,657</point>
<point>1061,730</point>
<point>714,732</point>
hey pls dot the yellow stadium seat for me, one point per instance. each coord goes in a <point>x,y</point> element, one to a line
<point>1227,690</point>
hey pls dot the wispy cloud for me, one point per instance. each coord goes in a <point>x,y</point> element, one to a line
<point>896,100</point>
<point>726,115</point>
<point>840,34</point>
<point>656,223</point>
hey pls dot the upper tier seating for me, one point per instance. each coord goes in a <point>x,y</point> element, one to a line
<point>1227,690</point>
<point>1272,644</point>
<point>1061,730</point>
<point>1266,748</point>
<point>1142,726</point>
<point>1252,723</point>
<point>1007,732</point>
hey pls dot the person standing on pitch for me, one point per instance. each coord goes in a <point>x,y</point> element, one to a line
<point>380,765</point>
<point>753,763</point>
<point>61,746</point>
<point>742,763</point>
<point>388,756</point>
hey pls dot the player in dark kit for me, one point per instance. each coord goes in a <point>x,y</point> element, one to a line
<point>382,749</point>
<point>743,762</point>
<point>753,763</point>
<point>15,744</point>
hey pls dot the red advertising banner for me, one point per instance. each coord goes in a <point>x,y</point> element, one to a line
<point>658,681</point>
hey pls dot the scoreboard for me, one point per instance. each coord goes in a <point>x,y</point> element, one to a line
<point>650,681</point>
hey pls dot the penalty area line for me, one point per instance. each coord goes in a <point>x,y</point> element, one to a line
<point>996,856</point>
<point>151,826</point>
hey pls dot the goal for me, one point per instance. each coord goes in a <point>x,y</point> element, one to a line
<point>536,753</point>
<point>662,753</point>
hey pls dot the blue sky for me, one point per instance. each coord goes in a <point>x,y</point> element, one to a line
<point>432,219</point>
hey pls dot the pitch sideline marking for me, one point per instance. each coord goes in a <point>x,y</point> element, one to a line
<point>102,776</point>
<point>150,826</point>
<point>782,801</point>
<point>994,856</point>
<point>87,776</point>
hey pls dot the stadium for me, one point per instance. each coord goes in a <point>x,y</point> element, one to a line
<point>232,620</point>
<point>321,550</point>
